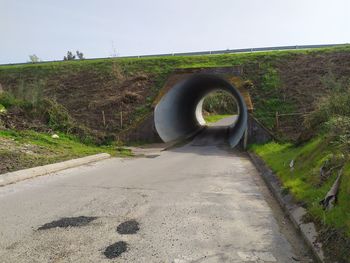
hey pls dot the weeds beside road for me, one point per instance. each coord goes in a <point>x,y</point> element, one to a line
<point>309,169</point>
<point>26,149</point>
<point>27,123</point>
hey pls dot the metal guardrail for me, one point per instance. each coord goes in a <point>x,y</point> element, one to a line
<point>215,52</point>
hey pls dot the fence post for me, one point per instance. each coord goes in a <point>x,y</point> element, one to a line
<point>103,118</point>
<point>277,121</point>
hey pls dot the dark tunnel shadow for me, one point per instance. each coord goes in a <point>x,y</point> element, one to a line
<point>212,141</point>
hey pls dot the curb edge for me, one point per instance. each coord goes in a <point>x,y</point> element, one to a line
<point>20,175</point>
<point>294,211</point>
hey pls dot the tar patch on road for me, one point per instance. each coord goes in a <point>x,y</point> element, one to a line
<point>128,227</point>
<point>116,249</point>
<point>68,222</point>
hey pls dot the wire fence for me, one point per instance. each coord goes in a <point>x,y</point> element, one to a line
<point>199,53</point>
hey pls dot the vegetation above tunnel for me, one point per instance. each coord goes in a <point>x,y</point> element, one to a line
<point>109,96</point>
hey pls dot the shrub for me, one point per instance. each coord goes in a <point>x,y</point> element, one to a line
<point>339,130</point>
<point>220,102</point>
<point>332,114</point>
<point>58,118</point>
<point>335,104</point>
<point>8,100</point>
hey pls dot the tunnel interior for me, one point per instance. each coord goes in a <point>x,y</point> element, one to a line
<point>178,114</point>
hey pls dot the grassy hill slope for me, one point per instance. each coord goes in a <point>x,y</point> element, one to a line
<point>310,169</point>
<point>107,96</point>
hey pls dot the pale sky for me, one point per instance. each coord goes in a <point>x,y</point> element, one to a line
<point>100,28</point>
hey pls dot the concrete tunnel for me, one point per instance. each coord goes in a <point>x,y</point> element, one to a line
<point>178,114</point>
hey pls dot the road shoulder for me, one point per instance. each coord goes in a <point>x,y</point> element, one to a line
<point>294,211</point>
<point>13,177</point>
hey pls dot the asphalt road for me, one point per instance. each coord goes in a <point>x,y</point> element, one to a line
<point>196,203</point>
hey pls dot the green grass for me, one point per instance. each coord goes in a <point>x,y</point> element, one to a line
<point>66,145</point>
<point>303,181</point>
<point>215,118</point>
<point>269,101</point>
<point>43,149</point>
<point>163,63</point>
<point>329,125</point>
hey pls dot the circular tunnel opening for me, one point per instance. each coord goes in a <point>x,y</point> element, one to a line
<point>219,108</point>
<point>179,113</point>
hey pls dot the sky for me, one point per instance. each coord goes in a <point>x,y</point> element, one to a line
<point>104,28</point>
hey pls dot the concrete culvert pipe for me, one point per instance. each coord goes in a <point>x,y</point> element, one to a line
<point>179,112</point>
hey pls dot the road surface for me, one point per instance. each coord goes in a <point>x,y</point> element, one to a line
<point>197,203</point>
<point>227,121</point>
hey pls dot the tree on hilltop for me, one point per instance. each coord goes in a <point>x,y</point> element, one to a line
<point>69,56</point>
<point>80,55</point>
<point>34,58</point>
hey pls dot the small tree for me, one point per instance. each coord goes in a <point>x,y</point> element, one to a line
<point>34,58</point>
<point>80,55</point>
<point>69,56</point>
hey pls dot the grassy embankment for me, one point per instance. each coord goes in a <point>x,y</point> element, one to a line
<point>74,94</point>
<point>41,99</point>
<point>26,149</point>
<point>304,182</point>
<point>329,147</point>
<point>90,79</point>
